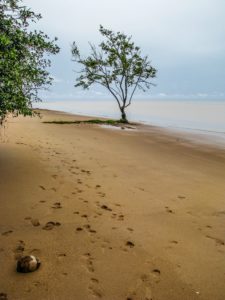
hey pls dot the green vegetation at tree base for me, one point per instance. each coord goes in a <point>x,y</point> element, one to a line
<point>95,121</point>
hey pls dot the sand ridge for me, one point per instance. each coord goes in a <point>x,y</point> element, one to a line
<point>111,214</point>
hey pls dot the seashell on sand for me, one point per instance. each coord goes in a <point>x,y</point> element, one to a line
<point>28,264</point>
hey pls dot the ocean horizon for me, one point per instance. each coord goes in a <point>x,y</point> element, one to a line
<point>199,115</point>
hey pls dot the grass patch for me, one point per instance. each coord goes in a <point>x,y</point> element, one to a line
<point>95,121</point>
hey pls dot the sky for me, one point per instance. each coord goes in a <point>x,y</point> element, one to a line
<point>184,39</point>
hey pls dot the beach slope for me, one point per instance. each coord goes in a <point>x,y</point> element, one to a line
<point>112,214</point>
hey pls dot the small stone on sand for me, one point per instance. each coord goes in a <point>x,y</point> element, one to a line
<point>28,264</point>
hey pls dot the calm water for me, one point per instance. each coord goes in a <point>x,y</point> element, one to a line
<point>193,115</point>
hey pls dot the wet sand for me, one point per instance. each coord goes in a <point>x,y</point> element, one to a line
<point>134,214</point>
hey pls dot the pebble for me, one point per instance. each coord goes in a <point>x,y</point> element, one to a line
<point>28,264</point>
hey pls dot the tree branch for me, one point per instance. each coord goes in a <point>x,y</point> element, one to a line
<point>135,87</point>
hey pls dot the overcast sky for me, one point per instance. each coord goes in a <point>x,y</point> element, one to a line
<point>184,39</point>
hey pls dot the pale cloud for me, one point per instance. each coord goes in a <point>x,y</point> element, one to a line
<point>184,39</point>
<point>188,25</point>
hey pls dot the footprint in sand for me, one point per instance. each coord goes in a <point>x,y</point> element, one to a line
<point>209,226</point>
<point>120,217</point>
<point>130,229</point>
<point>84,216</point>
<point>105,207</point>
<point>169,210</point>
<point>99,214</point>
<point>217,240</point>
<point>57,205</point>
<point>75,173</point>
<point>95,291</point>
<point>6,233</point>
<point>61,255</point>
<point>219,213</point>
<point>18,250</point>
<point>37,283</point>
<point>88,262</point>
<point>50,225</point>
<point>3,296</point>
<point>42,187</point>
<point>101,194</point>
<point>174,242</point>
<point>156,272</point>
<point>35,222</point>
<point>94,280</point>
<point>89,229</point>
<point>130,244</point>
<point>105,244</point>
<point>86,171</point>
<point>142,290</point>
<point>113,216</point>
<point>19,143</point>
<point>79,229</point>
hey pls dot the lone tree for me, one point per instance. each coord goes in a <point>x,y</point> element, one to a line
<point>23,59</point>
<point>117,65</point>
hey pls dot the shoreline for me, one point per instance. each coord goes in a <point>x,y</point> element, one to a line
<point>140,214</point>
<point>197,136</point>
<point>177,113</point>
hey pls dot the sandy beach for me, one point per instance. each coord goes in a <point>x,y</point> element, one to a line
<point>135,214</point>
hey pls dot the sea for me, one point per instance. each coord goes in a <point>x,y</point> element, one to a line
<point>195,116</point>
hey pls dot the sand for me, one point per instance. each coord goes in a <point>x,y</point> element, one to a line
<point>136,214</point>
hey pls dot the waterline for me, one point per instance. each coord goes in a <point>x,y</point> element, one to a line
<point>208,116</point>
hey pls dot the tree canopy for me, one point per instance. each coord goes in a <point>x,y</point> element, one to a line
<point>117,65</point>
<point>24,59</point>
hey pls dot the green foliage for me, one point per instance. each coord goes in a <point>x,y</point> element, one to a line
<point>117,65</point>
<point>94,121</point>
<point>23,59</point>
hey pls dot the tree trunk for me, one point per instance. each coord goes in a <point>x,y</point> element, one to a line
<point>123,116</point>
